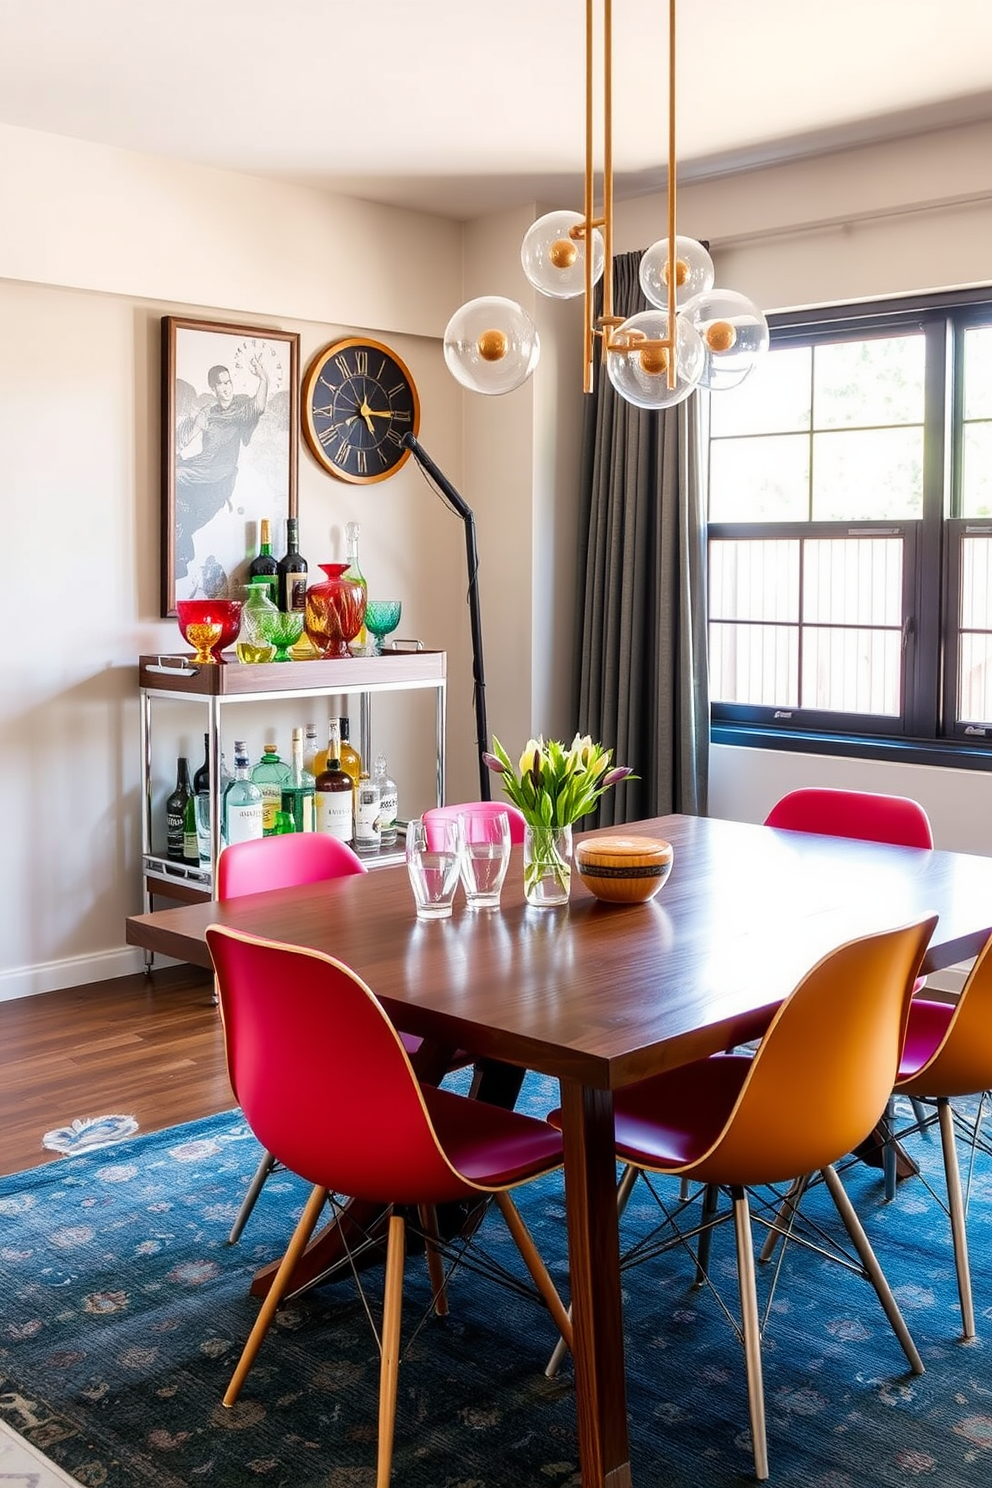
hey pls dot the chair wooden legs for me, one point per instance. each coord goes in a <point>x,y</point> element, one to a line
<point>751,1328</point>
<point>535,1265</point>
<point>955,1207</point>
<point>251,1197</point>
<point>392,1311</point>
<point>861,1244</point>
<point>267,1311</point>
<point>435,1261</point>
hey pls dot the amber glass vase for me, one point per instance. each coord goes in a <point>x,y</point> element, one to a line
<point>335,611</point>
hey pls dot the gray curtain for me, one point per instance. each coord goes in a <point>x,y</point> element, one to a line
<point>642,684</point>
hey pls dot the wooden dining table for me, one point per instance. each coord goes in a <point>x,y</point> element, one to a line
<point>601,995</point>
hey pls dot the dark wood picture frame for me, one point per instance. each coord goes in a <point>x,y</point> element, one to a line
<point>230,451</point>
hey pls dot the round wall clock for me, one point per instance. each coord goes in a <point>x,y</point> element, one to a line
<point>358,401</point>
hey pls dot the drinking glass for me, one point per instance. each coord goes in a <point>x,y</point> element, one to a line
<point>381,618</point>
<point>484,854</point>
<point>432,863</point>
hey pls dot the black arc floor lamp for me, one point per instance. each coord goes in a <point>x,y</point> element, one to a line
<point>461,506</point>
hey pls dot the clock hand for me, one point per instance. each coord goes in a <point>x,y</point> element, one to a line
<point>365,411</point>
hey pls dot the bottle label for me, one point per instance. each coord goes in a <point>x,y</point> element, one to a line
<point>271,803</point>
<point>297,592</point>
<point>175,829</point>
<point>367,824</point>
<point>334,814</point>
<point>387,811</point>
<point>244,822</point>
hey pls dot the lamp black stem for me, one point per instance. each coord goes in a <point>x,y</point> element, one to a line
<point>458,503</point>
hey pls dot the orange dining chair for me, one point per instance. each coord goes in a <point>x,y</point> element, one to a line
<point>281,862</point>
<point>484,808</point>
<point>326,1084</point>
<point>868,816</point>
<point>947,1054</point>
<point>831,1051</point>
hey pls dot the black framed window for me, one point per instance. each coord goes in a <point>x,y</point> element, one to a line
<point>850,530</point>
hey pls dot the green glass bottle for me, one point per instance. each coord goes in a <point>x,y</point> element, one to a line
<point>271,774</point>
<point>353,532</point>
<point>258,604</point>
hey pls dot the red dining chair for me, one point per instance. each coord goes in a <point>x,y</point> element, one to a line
<point>948,1053</point>
<point>325,1083</point>
<point>869,817</point>
<point>280,862</point>
<point>829,1057</point>
<point>483,808</point>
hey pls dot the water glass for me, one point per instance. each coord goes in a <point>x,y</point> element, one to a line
<point>432,863</point>
<point>484,855</point>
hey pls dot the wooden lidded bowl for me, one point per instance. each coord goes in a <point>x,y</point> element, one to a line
<point>624,870</point>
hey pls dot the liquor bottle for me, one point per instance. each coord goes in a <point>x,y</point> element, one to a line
<point>264,566</point>
<point>368,828</point>
<point>351,760</point>
<point>335,791</point>
<point>311,751</point>
<point>241,818</point>
<point>292,571</point>
<point>352,532</point>
<point>387,802</point>
<point>191,850</point>
<point>175,812</point>
<point>299,793</point>
<point>201,780</point>
<point>270,775</point>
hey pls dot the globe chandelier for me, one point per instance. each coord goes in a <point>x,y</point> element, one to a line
<point>694,334</point>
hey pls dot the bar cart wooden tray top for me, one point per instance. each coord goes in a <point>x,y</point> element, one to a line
<point>165,678</point>
<point>399,669</point>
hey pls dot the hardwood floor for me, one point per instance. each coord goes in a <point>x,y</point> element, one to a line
<point>150,1047</point>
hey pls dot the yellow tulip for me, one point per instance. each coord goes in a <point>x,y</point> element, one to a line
<point>530,757</point>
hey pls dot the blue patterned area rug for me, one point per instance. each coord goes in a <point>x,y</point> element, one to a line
<point>123,1311</point>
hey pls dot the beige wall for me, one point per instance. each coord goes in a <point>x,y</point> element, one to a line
<point>97,244</point>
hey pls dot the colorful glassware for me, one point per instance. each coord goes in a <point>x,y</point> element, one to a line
<point>208,625</point>
<point>335,611</point>
<point>381,618</point>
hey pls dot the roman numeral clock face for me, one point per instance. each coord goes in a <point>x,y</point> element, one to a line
<point>358,402</point>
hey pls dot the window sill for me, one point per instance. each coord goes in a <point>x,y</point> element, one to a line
<point>951,754</point>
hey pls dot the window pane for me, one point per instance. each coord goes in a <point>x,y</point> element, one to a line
<point>976,583</point>
<point>976,470</point>
<point>754,580</point>
<point>868,475</point>
<point>853,581</point>
<point>772,399</point>
<point>760,480</point>
<point>754,664</point>
<point>978,372</point>
<point>862,383</point>
<point>975,689</point>
<point>852,671</point>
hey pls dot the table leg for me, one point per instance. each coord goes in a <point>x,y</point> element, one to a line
<point>594,1269</point>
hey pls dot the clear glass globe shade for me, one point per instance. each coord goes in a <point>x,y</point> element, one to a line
<point>554,262</point>
<point>491,345</point>
<point>733,332</point>
<point>639,372</point>
<point>694,272</point>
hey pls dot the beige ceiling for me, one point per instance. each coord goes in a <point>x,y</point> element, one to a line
<point>465,106</point>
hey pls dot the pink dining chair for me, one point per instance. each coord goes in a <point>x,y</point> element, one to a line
<point>483,808</point>
<point>868,816</point>
<point>281,862</point>
<point>325,1082</point>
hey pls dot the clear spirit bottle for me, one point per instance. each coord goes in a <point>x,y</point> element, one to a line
<point>298,795</point>
<point>367,825</point>
<point>242,809</point>
<point>352,532</point>
<point>387,802</point>
<point>270,775</point>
